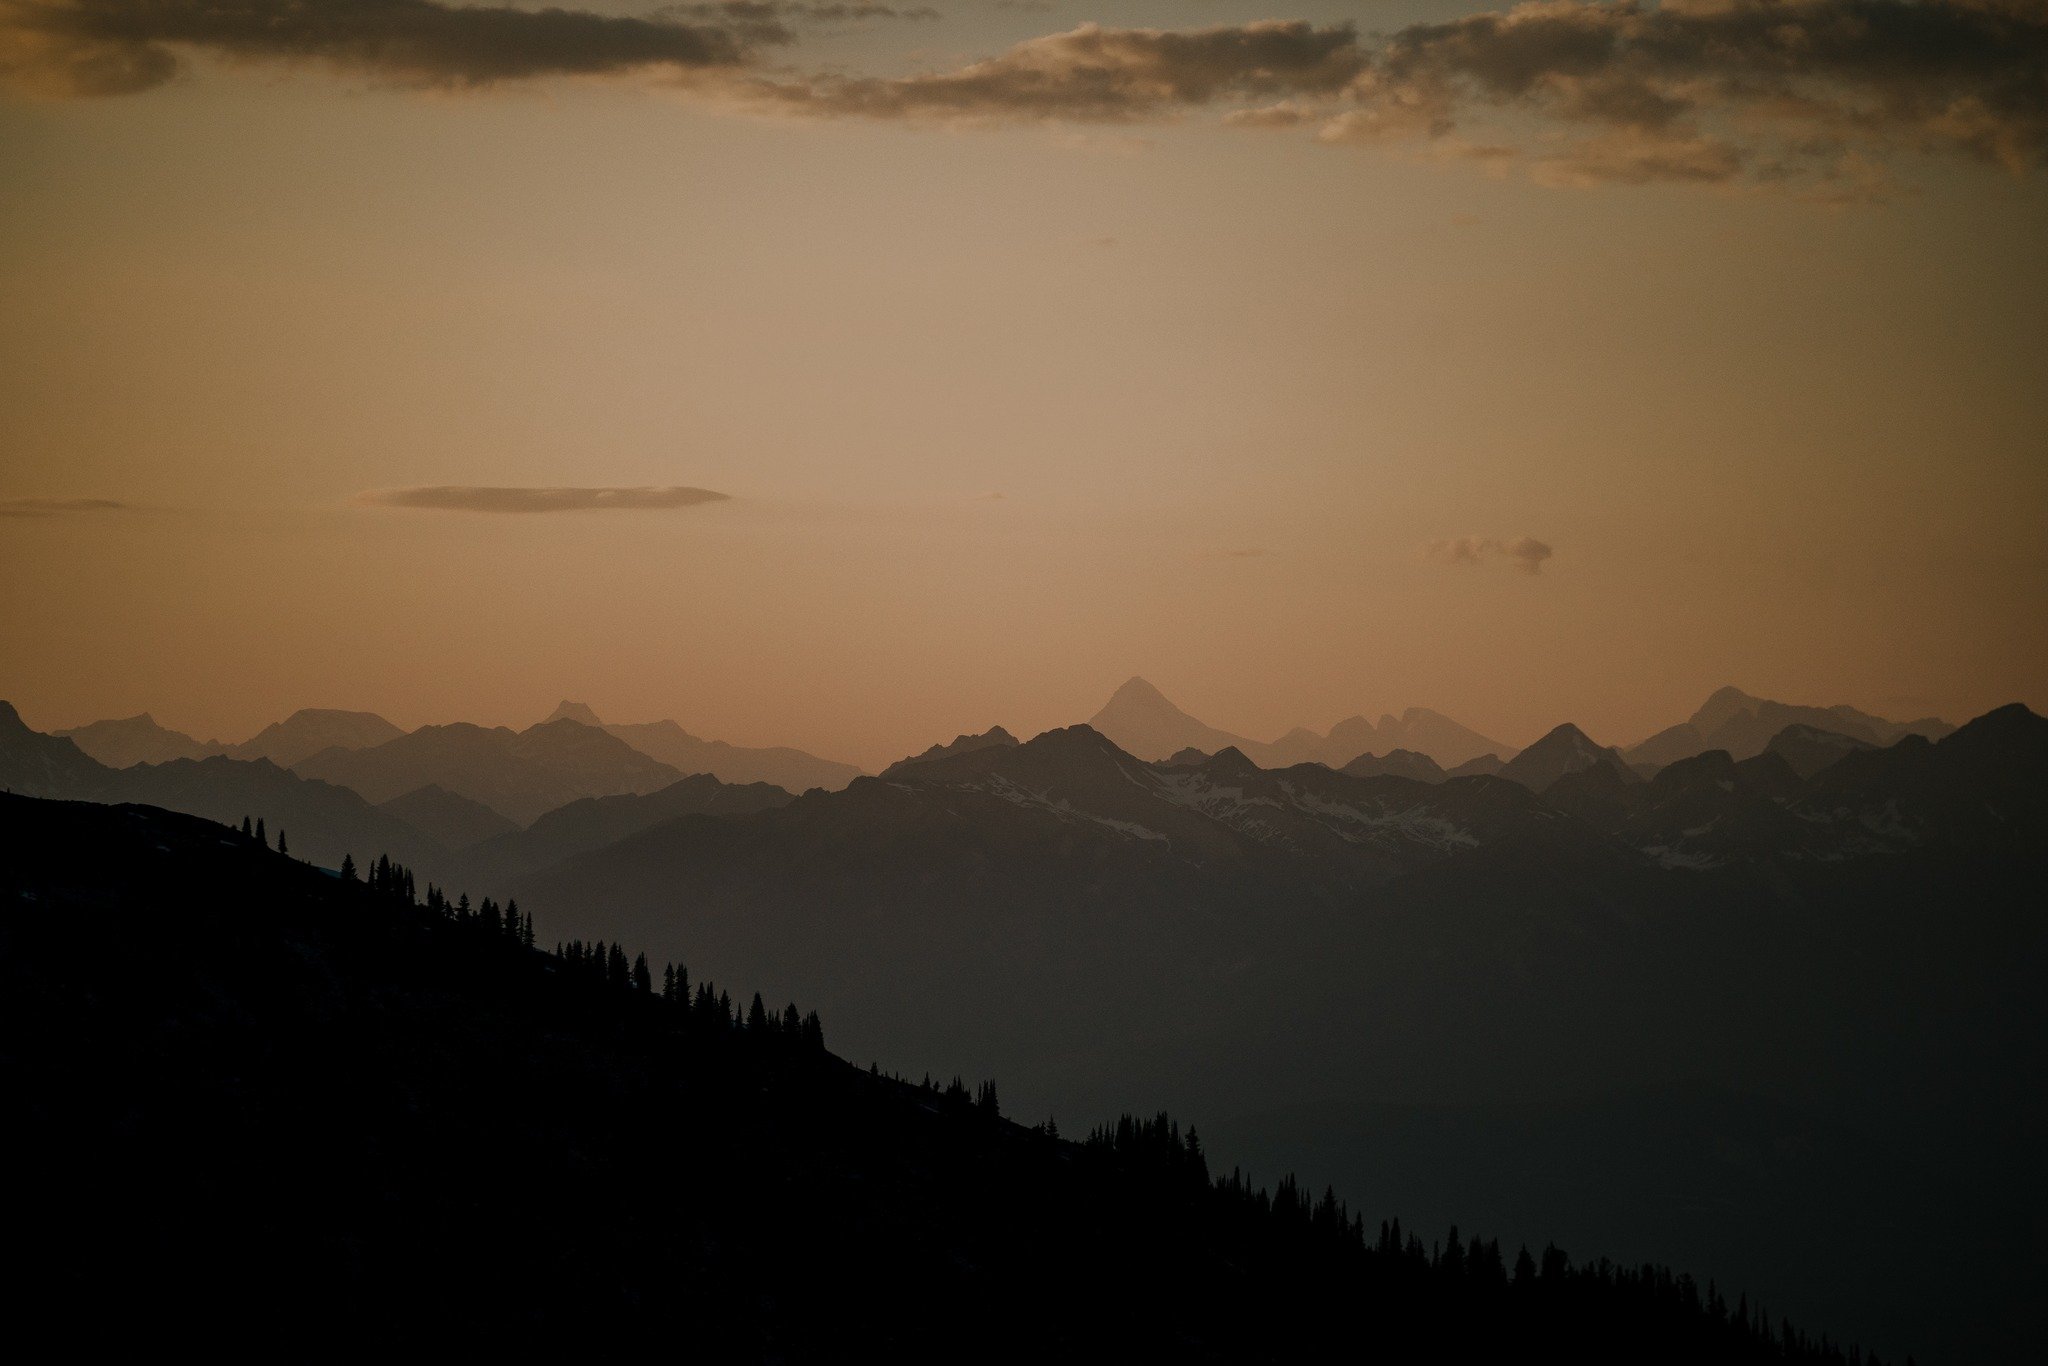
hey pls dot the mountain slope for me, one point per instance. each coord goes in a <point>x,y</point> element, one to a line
<point>1139,720</point>
<point>305,1103</point>
<point>994,737</point>
<point>453,822</point>
<point>138,740</point>
<point>593,822</point>
<point>1565,750</point>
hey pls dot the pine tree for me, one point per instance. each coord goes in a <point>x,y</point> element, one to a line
<point>643,980</point>
<point>348,868</point>
<point>261,838</point>
<point>282,848</point>
<point>247,830</point>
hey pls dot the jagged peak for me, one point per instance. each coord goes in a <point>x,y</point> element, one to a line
<point>1229,760</point>
<point>579,712</point>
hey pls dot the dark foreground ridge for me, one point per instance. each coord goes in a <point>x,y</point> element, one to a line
<point>258,1106</point>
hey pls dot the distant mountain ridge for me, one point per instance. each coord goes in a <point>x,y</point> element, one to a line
<point>793,770</point>
<point>1743,725</point>
<point>138,740</point>
<point>1140,719</point>
<point>310,730</point>
<point>519,774</point>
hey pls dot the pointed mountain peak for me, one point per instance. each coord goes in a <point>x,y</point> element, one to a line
<point>11,718</point>
<point>579,712</point>
<point>1723,706</point>
<point>1136,692</point>
<point>1229,761</point>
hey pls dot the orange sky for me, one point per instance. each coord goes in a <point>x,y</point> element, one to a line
<point>1231,383</point>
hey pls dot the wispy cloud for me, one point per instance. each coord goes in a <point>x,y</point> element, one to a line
<point>771,12</point>
<point>114,47</point>
<point>1804,93</point>
<point>56,507</point>
<point>1095,74</point>
<point>1526,553</point>
<point>471,498</point>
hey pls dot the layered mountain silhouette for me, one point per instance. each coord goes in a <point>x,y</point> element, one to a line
<point>594,822</point>
<point>519,774</point>
<point>138,740</point>
<point>993,738</point>
<point>1401,763</point>
<point>1195,930</point>
<point>1140,719</point>
<point>790,769</point>
<point>1743,725</point>
<point>259,1101</point>
<point>1565,750</point>
<point>323,821</point>
<point>311,730</point>
<point>1831,976</point>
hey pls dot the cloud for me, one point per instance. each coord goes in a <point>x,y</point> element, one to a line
<point>56,507</point>
<point>1526,553</point>
<point>1285,114</point>
<point>769,13</point>
<point>1095,74</point>
<point>469,498</point>
<point>1716,91</point>
<point>113,47</point>
<point>1581,93</point>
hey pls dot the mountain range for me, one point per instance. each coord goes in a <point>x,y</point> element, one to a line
<point>790,769</point>
<point>1743,725</point>
<point>1353,973</point>
<point>258,1098</point>
<point>1140,719</point>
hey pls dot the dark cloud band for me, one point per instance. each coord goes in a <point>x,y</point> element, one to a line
<point>469,498</point>
<point>106,47</point>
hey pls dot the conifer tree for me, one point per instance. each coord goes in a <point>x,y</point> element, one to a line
<point>643,980</point>
<point>348,868</point>
<point>247,829</point>
<point>261,838</point>
<point>282,847</point>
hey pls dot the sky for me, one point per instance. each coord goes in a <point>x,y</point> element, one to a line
<point>1557,363</point>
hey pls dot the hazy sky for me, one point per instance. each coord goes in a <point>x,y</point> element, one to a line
<point>1257,358</point>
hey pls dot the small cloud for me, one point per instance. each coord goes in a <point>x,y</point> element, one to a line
<point>1526,553</point>
<point>1285,114</point>
<point>56,507</point>
<point>468,498</point>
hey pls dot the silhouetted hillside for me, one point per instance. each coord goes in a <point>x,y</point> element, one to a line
<point>1844,966</point>
<point>292,1114</point>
